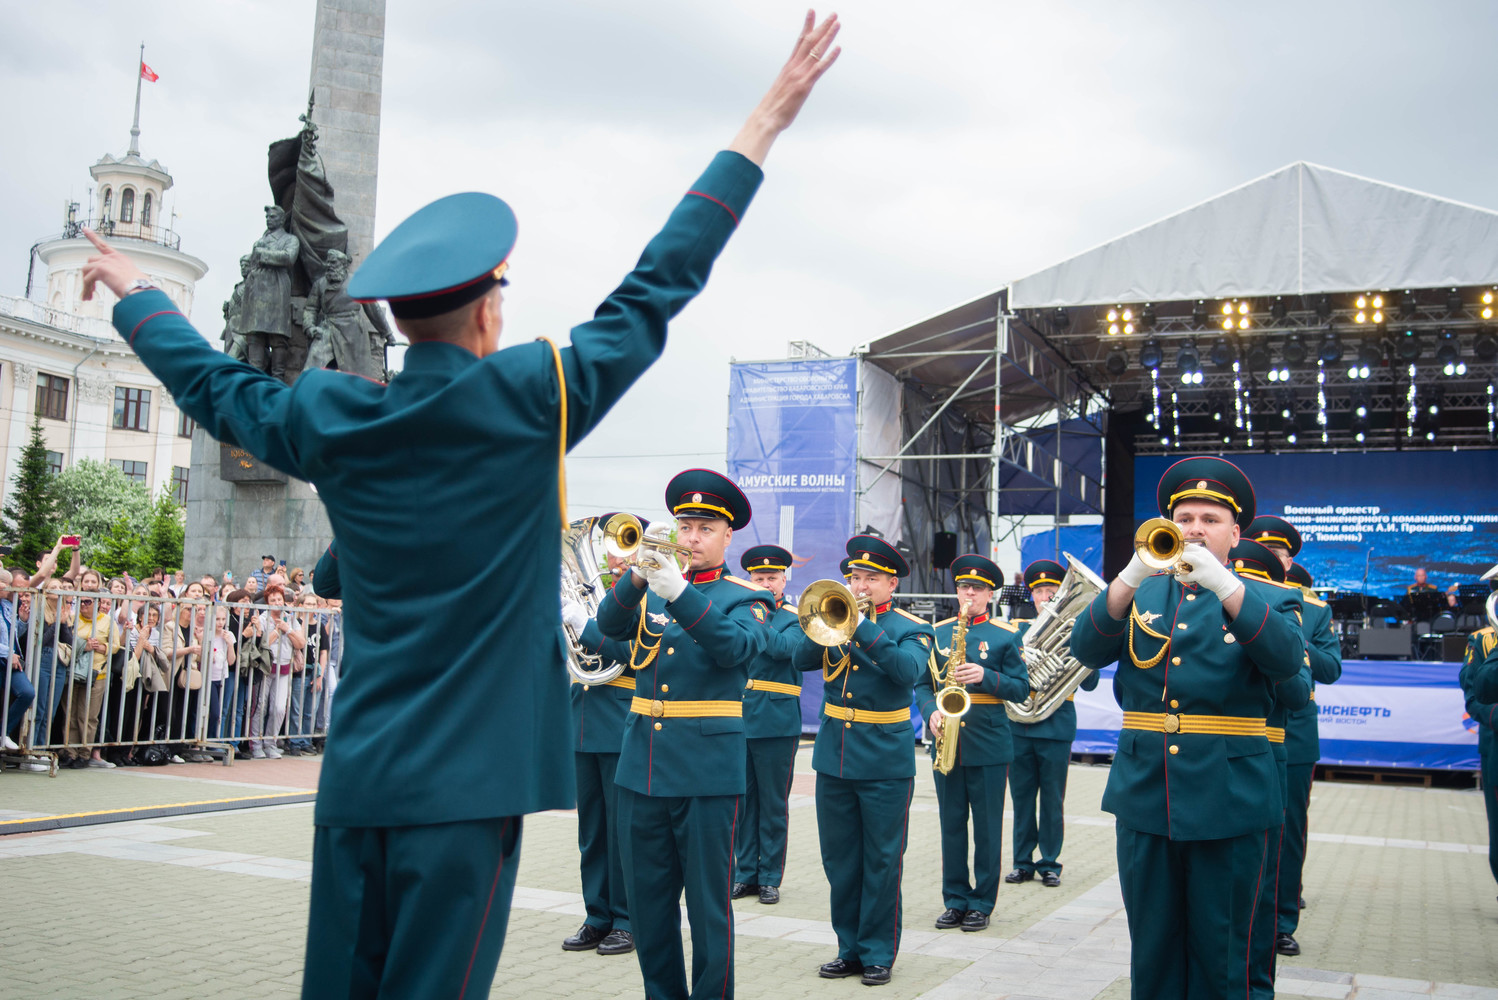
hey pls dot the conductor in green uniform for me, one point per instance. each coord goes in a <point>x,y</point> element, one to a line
<point>991,672</point>
<point>1042,759</point>
<point>1193,787</point>
<point>681,768</point>
<point>1302,747</point>
<point>772,728</point>
<point>1482,647</point>
<point>865,762</point>
<point>1251,560</point>
<point>598,715</point>
<point>419,807</point>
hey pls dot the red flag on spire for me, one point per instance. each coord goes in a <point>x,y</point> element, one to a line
<point>148,74</point>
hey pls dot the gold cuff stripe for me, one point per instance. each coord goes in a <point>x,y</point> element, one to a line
<point>1201,725</point>
<point>628,683</point>
<point>686,709</point>
<point>1275,734</point>
<point>864,715</point>
<point>756,684</point>
<point>979,698</point>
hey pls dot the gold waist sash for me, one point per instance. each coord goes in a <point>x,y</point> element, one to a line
<point>1207,725</point>
<point>686,709</point>
<point>864,715</point>
<point>779,688</point>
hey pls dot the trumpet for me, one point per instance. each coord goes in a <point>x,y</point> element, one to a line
<point>624,539</point>
<point>1160,543</point>
<point>828,612</point>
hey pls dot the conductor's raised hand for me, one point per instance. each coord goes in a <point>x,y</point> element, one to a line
<point>114,269</point>
<point>812,56</point>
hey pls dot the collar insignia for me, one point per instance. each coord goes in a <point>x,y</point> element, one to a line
<point>944,652</point>
<point>660,618</point>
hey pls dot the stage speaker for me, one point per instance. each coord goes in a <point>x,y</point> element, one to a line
<point>943,549</point>
<point>1389,643</point>
<point>1453,647</point>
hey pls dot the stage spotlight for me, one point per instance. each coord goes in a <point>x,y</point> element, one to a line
<point>1447,347</point>
<point>1222,353</point>
<point>1455,369</point>
<point>1150,355</point>
<point>1370,309</point>
<point>1061,319</point>
<point>1277,309</point>
<point>1454,302</point>
<point>1188,358</point>
<point>1117,361</point>
<point>1370,353</point>
<point>1292,432</point>
<point>1407,346</point>
<point>1331,346</point>
<point>1323,307</point>
<point>1294,351</point>
<point>1409,305</point>
<point>1199,313</point>
<point>1360,428</point>
<point>1485,344</point>
<point>1257,358</point>
<point>1147,316</point>
<point>1360,404</point>
<point>1287,406</point>
<point>1486,312</point>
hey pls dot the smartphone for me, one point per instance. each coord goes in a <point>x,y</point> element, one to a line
<point>228,574</point>
<point>72,540</point>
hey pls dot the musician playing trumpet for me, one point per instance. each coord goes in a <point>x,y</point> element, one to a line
<point>988,667</point>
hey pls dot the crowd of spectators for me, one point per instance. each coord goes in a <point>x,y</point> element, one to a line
<point>164,669</point>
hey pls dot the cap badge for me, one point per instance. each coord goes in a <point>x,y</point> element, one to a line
<point>1237,563</point>
<point>696,497</point>
<point>1201,484</point>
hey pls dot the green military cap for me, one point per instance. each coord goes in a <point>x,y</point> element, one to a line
<point>1208,478</point>
<point>443,257</point>
<point>976,569</point>
<point>1299,575</point>
<point>1043,573</point>
<point>707,494</point>
<point>1249,558</point>
<point>763,557</point>
<point>1272,530</point>
<point>846,566</point>
<point>873,552</point>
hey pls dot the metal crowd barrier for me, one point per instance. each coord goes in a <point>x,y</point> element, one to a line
<point>112,670</point>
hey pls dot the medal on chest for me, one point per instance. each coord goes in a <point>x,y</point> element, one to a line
<point>983,649</point>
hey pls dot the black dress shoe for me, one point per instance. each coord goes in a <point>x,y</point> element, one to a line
<point>617,943</point>
<point>840,968</point>
<point>1286,945</point>
<point>769,894</point>
<point>975,920</point>
<point>1019,875</point>
<point>950,918</point>
<point>741,889</point>
<point>586,938</point>
<point>1300,902</point>
<point>875,975</point>
<point>1050,879</point>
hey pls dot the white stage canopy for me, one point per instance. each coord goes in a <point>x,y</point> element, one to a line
<point>1301,230</point>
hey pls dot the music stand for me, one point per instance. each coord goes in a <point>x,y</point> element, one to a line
<point>1471,604</point>
<point>1016,599</point>
<point>1424,605</point>
<point>1347,605</point>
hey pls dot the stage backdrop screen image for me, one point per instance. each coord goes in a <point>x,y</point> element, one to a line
<point>1388,512</point>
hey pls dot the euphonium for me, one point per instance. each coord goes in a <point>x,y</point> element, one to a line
<point>1046,649</point>
<point>581,582</point>
<point>624,539</point>
<point>952,699</point>
<point>1160,543</point>
<point>828,612</point>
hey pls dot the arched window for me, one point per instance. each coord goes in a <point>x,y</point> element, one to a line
<point>127,205</point>
<point>145,211</point>
<point>108,203</point>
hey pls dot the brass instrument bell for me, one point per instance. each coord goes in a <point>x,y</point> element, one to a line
<point>1160,543</point>
<point>828,612</point>
<point>624,539</point>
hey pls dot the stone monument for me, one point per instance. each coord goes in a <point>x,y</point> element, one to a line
<point>237,508</point>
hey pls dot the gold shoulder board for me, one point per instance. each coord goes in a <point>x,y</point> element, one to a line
<point>1004,625</point>
<point>914,618</point>
<point>745,583</point>
<point>944,621</point>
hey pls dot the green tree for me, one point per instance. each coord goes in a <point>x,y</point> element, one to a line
<point>92,497</point>
<point>31,517</point>
<point>162,545</point>
<point>120,551</point>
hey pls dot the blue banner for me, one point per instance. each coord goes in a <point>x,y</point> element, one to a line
<point>793,450</point>
<point>1388,513</point>
<point>1085,541</point>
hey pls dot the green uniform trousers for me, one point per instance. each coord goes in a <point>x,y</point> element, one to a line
<point>673,843</point>
<point>977,790</point>
<point>1293,847</point>
<point>1263,968</point>
<point>598,841</point>
<point>1039,771</point>
<point>765,817</point>
<point>409,911</point>
<point>862,825</point>
<point>1486,754</point>
<point>1190,906</point>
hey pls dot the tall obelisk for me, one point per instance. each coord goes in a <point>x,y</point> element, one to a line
<point>237,509</point>
<point>348,56</point>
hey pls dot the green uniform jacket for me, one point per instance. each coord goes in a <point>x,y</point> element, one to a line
<point>1480,672</point>
<point>1214,786</point>
<point>1290,696</point>
<point>1480,645</point>
<point>1302,728</point>
<point>770,713</point>
<point>599,710</point>
<point>453,701</point>
<point>888,657</point>
<point>325,579</point>
<point>1060,724</point>
<point>984,730</point>
<point>709,636</point>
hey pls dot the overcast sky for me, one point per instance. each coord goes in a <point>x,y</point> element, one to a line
<point>955,146</point>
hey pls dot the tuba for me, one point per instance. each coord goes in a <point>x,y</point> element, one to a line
<point>1046,650</point>
<point>582,582</point>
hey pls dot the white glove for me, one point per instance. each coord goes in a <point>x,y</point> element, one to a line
<point>1136,572</point>
<point>663,575</point>
<point>1208,573</point>
<point>574,616</point>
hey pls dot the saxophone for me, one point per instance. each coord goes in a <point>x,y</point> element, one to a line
<point>951,698</point>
